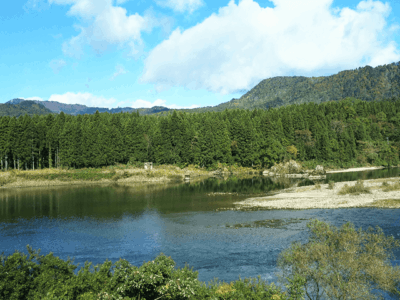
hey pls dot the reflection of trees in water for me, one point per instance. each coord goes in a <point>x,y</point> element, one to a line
<point>365,175</point>
<point>254,185</point>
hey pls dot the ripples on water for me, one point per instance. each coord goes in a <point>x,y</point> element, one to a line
<point>137,223</point>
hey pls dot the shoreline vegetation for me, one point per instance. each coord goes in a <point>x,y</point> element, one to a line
<point>127,174</point>
<point>120,174</point>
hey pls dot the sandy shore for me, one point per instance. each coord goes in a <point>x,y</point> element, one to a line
<point>309,197</point>
<point>355,170</point>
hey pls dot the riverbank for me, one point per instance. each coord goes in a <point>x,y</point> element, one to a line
<point>354,170</point>
<point>121,175</point>
<point>321,196</point>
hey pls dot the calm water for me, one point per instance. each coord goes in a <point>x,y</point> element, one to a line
<point>95,223</point>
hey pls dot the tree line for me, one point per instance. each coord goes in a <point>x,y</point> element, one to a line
<point>341,133</point>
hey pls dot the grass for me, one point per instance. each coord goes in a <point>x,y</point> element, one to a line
<point>356,189</point>
<point>331,185</point>
<point>386,203</point>
<point>317,186</point>
<point>387,187</point>
<point>112,173</point>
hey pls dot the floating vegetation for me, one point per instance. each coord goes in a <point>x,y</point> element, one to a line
<point>273,223</point>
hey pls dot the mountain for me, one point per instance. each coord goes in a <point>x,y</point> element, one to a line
<point>79,109</point>
<point>367,83</point>
<point>19,107</point>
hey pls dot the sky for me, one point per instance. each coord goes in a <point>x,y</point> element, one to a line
<point>183,53</point>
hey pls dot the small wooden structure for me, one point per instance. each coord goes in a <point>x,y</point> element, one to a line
<point>148,165</point>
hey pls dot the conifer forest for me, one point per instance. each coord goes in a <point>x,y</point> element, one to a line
<point>341,133</point>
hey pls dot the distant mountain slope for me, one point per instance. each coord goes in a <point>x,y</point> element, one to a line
<point>367,83</point>
<point>19,107</point>
<point>79,109</point>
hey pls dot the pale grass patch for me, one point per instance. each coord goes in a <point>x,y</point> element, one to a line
<point>304,189</point>
<point>265,199</point>
<point>392,203</point>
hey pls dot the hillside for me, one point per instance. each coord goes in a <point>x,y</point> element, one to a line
<point>367,83</point>
<point>23,107</point>
<point>79,109</point>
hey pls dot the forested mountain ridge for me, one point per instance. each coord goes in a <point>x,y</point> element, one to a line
<point>367,83</point>
<point>79,109</point>
<point>21,108</point>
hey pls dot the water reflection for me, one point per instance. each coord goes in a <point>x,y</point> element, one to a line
<point>95,223</point>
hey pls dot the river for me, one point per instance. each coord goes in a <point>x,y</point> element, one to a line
<point>99,222</point>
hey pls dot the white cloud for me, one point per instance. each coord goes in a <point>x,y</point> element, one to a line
<point>57,65</point>
<point>83,98</point>
<point>106,25</point>
<point>33,98</point>
<point>245,43</point>
<point>119,70</point>
<point>181,5</point>
<point>159,102</point>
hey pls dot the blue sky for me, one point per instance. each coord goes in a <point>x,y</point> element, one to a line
<point>183,53</point>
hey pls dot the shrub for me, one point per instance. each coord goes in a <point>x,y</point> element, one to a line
<point>314,266</point>
<point>331,185</point>
<point>175,177</point>
<point>386,187</point>
<point>356,189</point>
<point>317,186</point>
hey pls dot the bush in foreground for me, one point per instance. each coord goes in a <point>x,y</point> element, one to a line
<point>50,278</point>
<point>341,264</point>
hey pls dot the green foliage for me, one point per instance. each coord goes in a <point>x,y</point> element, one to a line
<point>76,175</point>
<point>336,133</point>
<point>340,264</point>
<point>356,189</point>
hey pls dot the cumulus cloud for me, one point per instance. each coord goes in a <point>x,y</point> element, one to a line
<point>181,5</point>
<point>244,43</point>
<point>106,25</point>
<point>83,98</point>
<point>119,70</point>
<point>57,65</point>
<point>159,102</point>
